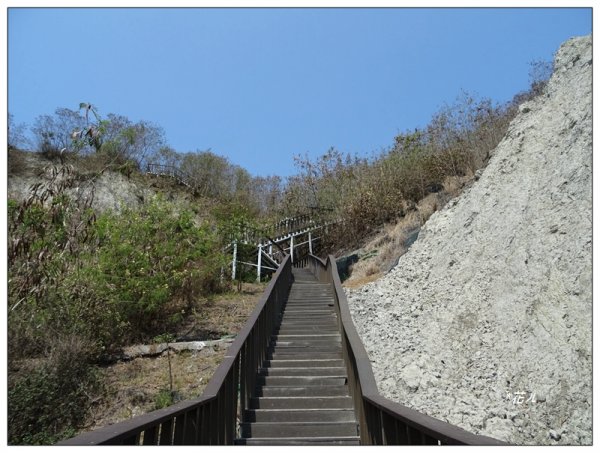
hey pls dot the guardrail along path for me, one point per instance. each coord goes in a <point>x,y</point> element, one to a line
<point>296,374</point>
<point>302,396</point>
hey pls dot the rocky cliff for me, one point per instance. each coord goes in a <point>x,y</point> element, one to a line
<point>486,322</point>
<point>108,188</point>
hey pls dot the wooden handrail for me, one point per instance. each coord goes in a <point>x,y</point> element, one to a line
<point>211,419</point>
<point>381,420</point>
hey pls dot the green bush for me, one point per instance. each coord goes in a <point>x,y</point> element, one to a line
<point>46,236</point>
<point>151,263</point>
<point>49,402</point>
<point>119,276</point>
<point>80,285</point>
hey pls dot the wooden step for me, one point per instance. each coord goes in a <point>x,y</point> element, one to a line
<point>308,287</point>
<point>307,343</point>
<point>310,311</point>
<point>299,415</point>
<point>325,441</point>
<point>310,325</point>
<point>300,331</point>
<point>308,320</point>
<point>307,347</point>
<point>307,336</point>
<point>305,371</point>
<point>311,314</point>
<point>301,352</point>
<point>326,302</point>
<point>302,291</point>
<point>304,363</point>
<point>301,328</point>
<point>300,381</point>
<point>300,429</point>
<point>302,402</point>
<point>311,297</point>
<point>295,330</point>
<point>321,303</point>
<point>327,313</point>
<point>309,391</point>
<point>294,355</point>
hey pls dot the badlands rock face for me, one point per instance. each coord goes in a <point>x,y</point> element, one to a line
<point>486,322</point>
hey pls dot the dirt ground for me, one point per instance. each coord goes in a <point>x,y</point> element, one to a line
<point>135,387</point>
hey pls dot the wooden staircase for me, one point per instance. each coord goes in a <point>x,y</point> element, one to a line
<point>283,381</point>
<point>302,396</point>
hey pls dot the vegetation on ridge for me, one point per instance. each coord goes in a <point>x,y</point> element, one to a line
<point>83,283</point>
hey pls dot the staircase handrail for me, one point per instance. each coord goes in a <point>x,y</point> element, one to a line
<point>382,421</point>
<point>211,419</point>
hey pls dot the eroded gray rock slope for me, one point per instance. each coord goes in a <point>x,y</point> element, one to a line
<point>493,303</point>
<point>109,190</point>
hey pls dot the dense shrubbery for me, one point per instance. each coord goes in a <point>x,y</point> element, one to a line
<point>48,400</point>
<point>150,265</point>
<point>80,285</point>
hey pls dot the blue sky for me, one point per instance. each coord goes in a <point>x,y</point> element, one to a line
<point>262,85</point>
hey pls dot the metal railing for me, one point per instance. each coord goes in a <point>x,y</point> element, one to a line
<point>382,421</point>
<point>291,224</point>
<point>171,171</point>
<point>213,418</point>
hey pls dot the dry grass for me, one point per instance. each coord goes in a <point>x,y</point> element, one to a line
<point>92,164</point>
<point>131,388</point>
<point>454,185</point>
<point>16,162</point>
<point>222,314</point>
<point>356,282</point>
<point>384,249</point>
<point>427,206</point>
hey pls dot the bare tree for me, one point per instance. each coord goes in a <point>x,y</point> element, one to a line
<point>210,172</point>
<point>267,191</point>
<point>128,141</point>
<point>16,134</point>
<point>55,132</point>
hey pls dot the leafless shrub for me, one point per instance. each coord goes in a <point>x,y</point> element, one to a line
<point>16,162</point>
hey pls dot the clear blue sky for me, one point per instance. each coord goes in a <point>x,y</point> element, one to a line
<point>262,85</point>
